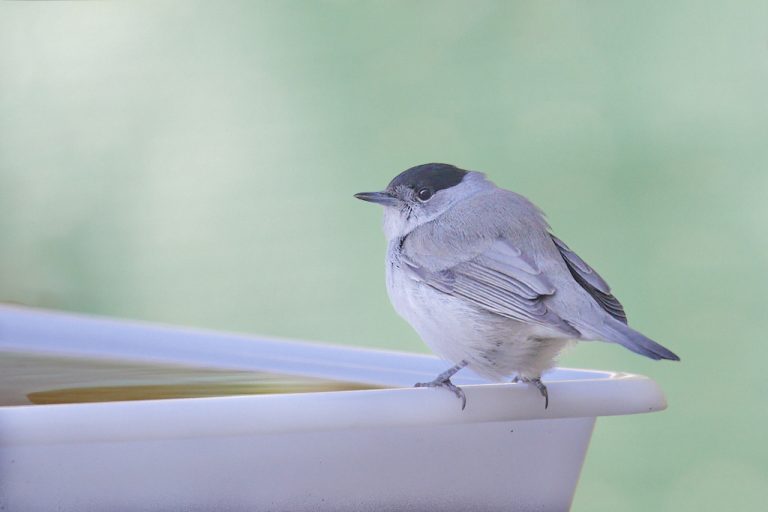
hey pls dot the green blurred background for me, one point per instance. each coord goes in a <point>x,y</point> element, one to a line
<point>194,163</point>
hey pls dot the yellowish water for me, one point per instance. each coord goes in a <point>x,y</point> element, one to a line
<point>34,379</point>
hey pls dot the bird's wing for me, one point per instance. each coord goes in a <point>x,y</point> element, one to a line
<point>500,279</point>
<point>591,281</point>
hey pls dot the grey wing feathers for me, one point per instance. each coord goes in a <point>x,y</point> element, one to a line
<point>591,281</point>
<point>501,280</point>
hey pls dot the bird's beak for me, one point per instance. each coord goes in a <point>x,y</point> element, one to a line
<point>382,198</point>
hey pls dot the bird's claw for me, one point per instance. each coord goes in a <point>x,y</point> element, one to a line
<point>447,384</point>
<point>539,385</point>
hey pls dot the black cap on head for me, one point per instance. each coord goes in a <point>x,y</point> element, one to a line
<point>432,176</point>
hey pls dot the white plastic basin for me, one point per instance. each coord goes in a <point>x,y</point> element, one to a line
<point>399,448</point>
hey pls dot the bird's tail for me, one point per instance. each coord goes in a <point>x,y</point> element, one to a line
<point>617,332</point>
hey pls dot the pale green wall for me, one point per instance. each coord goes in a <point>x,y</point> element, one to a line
<point>195,164</point>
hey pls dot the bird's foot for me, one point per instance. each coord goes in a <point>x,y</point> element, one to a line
<point>539,385</point>
<point>447,384</point>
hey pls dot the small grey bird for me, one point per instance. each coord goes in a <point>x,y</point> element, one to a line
<point>475,271</point>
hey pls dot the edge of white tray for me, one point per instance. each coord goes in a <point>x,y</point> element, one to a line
<point>573,393</point>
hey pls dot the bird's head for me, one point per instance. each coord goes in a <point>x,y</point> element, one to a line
<point>421,194</point>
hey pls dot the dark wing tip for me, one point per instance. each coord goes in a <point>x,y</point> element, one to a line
<point>591,281</point>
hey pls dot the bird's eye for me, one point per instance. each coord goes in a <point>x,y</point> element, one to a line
<point>424,194</point>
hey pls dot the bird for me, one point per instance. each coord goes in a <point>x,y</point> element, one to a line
<point>478,274</point>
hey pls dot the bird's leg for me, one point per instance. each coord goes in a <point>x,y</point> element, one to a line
<point>542,389</point>
<point>444,381</point>
<point>539,385</point>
